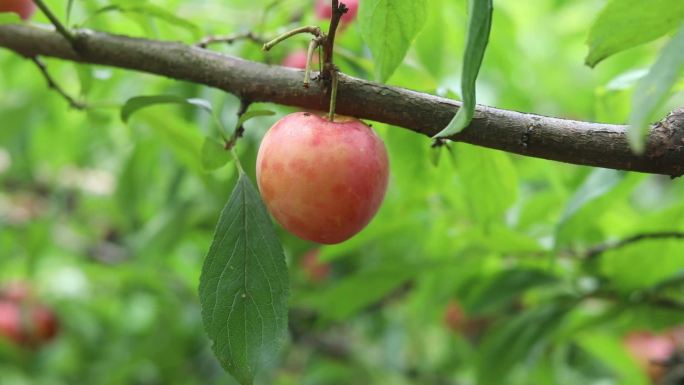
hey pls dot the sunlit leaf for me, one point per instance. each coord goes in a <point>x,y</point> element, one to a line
<point>252,114</point>
<point>214,154</point>
<point>244,286</point>
<point>9,18</point>
<point>137,103</point>
<point>389,27</point>
<point>479,25</point>
<point>623,24</point>
<point>511,342</point>
<point>150,10</point>
<point>653,90</point>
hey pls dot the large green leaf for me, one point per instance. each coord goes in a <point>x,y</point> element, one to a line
<point>479,25</point>
<point>623,24</point>
<point>389,27</point>
<point>652,90</point>
<point>244,286</point>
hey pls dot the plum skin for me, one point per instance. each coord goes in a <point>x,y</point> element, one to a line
<point>322,181</point>
<point>296,59</point>
<point>24,8</point>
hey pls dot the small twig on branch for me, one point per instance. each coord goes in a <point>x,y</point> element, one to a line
<point>338,10</point>
<point>312,29</point>
<point>240,130</point>
<point>597,250</point>
<point>53,85</point>
<point>230,39</point>
<point>58,25</point>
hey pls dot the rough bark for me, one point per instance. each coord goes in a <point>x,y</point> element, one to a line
<point>577,142</point>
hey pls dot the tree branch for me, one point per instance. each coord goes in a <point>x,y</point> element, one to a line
<point>583,143</point>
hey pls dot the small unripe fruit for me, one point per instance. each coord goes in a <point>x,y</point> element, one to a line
<point>24,8</point>
<point>322,181</point>
<point>324,10</point>
<point>296,59</point>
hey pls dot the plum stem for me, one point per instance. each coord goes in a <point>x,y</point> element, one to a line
<point>309,58</point>
<point>333,95</point>
<point>312,29</point>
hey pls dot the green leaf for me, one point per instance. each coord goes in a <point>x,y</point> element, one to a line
<point>490,181</point>
<point>430,41</point>
<point>624,24</point>
<point>69,6</point>
<point>137,103</point>
<point>351,295</point>
<point>479,25</point>
<point>150,10</point>
<point>653,90</point>
<point>389,27</point>
<point>602,190</point>
<point>9,18</point>
<point>629,270</point>
<point>214,154</point>
<point>597,184</point>
<point>252,114</point>
<point>513,341</point>
<point>611,351</point>
<point>502,288</point>
<point>244,286</point>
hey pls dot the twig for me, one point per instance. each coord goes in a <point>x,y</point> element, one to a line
<point>240,130</point>
<point>597,250</point>
<point>58,25</point>
<point>53,85</point>
<point>230,39</point>
<point>338,10</point>
<point>312,29</point>
<point>309,57</point>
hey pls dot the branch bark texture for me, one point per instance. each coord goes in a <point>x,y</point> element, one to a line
<point>577,142</point>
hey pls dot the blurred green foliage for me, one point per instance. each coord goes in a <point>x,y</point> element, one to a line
<point>111,221</point>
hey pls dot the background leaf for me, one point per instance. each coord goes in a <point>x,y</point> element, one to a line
<point>137,103</point>
<point>389,27</point>
<point>214,154</point>
<point>244,286</point>
<point>479,25</point>
<point>623,24</point>
<point>653,89</point>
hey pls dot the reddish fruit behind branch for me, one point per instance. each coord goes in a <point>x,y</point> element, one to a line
<point>651,351</point>
<point>454,317</point>
<point>315,270</point>
<point>322,181</point>
<point>16,291</point>
<point>10,322</point>
<point>24,8</point>
<point>296,59</point>
<point>324,10</point>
